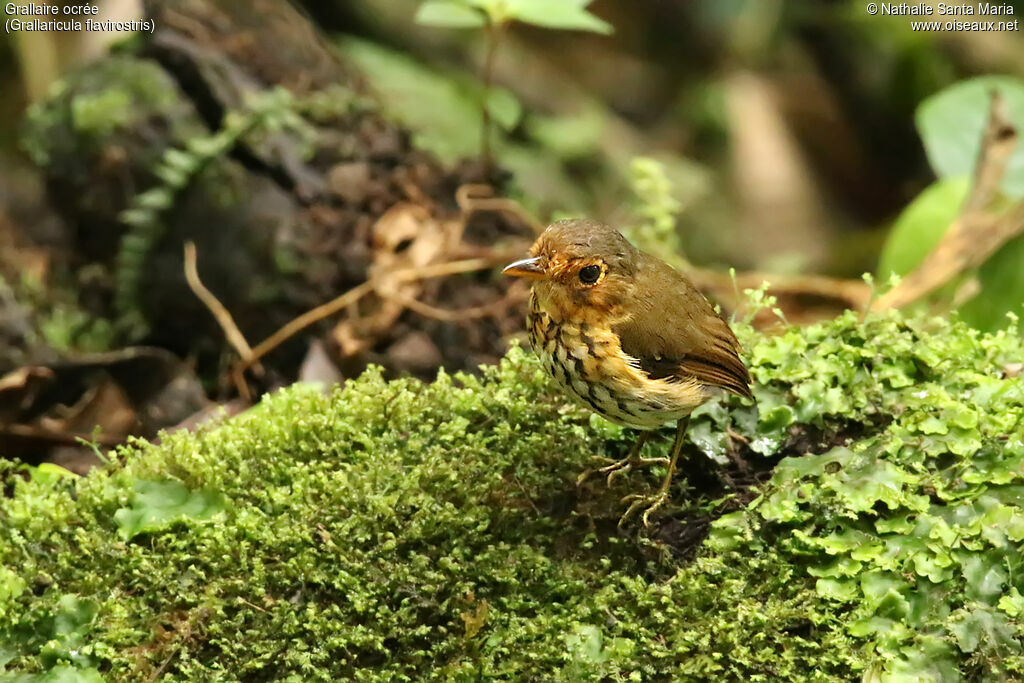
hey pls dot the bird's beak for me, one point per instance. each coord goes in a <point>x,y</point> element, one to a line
<point>527,268</point>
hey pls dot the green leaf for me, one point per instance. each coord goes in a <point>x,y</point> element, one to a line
<point>901,524</point>
<point>504,108</point>
<point>74,616</point>
<point>558,14</point>
<point>1012,604</point>
<point>864,484</point>
<point>777,418</point>
<point>450,14</point>
<point>842,567</point>
<point>570,136</point>
<point>1002,288</point>
<point>984,628</point>
<point>155,199</point>
<point>157,505</point>
<point>442,110</point>
<point>985,576</point>
<point>935,567</point>
<point>11,586</point>
<point>951,124</point>
<point>729,532</point>
<point>63,673</point>
<point>48,473</point>
<point>929,658</point>
<point>921,225</point>
<point>883,593</point>
<point>585,644</point>
<point>843,590</point>
<point>71,623</point>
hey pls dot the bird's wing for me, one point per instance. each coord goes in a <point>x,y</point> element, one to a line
<point>673,331</point>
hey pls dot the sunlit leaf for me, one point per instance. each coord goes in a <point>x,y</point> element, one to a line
<point>951,124</point>
<point>558,14</point>
<point>1012,603</point>
<point>49,473</point>
<point>11,586</point>
<point>921,225</point>
<point>450,14</point>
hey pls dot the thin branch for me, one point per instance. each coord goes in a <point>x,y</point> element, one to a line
<point>220,313</point>
<point>493,37</point>
<point>450,268</point>
<point>979,231</point>
<point>470,205</point>
<point>358,292</point>
<point>163,665</point>
<point>305,320</point>
<point>997,144</point>
<point>437,313</point>
<point>854,293</point>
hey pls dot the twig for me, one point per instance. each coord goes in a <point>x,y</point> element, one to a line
<point>437,313</point>
<point>223,317</point>
<point>303,321</point>
<point>526,495</point>
<point>358,292</point>
<point>450,268</point>
<point>165,663</point>
<point>997,144</point>
<point>978,232</point>
<point>470,204</point>
<point>854,293</point>
<point>246,602</point>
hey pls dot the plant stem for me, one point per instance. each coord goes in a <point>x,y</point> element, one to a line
<point>493,35</point>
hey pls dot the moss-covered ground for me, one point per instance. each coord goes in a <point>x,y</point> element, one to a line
<point>409,531</point>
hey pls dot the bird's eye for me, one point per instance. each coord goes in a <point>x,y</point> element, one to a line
<point>590,274</point>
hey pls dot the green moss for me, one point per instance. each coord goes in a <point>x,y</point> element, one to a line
<point>409,531</point>
<point>83,112</point>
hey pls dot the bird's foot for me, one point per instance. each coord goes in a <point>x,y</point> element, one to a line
<point>620,467</point>
<point>638,501</point>
<point>627,465</point>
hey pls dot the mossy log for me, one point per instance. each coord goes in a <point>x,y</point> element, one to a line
<point>401,530</point>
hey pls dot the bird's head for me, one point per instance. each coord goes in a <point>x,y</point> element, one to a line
<point>582,270</point>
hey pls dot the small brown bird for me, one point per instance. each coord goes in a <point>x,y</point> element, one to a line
<point>628,336</point>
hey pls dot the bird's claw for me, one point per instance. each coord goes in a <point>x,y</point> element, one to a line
<point>585,474</point>
<point>627,465</point>
<point>637,501</point>
<point>616,469</point>
<point>609,462</point>
<point>620,467</point>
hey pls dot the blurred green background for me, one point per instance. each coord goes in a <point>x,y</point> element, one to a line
<point>785,128</point>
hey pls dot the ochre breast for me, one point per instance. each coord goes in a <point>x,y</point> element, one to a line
<point>589,363</point>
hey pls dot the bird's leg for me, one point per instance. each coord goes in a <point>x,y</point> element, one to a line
<point>630,462</point>
<point>637,501</point>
